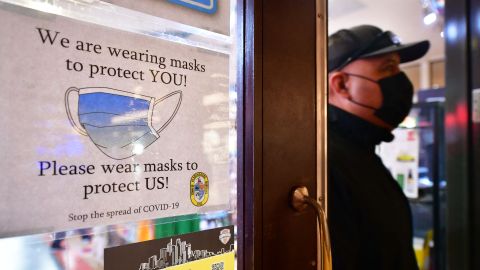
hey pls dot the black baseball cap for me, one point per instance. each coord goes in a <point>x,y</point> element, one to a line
<point>348,45</point>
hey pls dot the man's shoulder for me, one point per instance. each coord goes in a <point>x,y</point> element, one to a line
<point>341,148</point>
<point>349,162</point>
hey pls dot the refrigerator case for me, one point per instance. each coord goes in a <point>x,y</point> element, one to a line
<point>416,160</point>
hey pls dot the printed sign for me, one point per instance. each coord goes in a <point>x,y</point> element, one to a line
<point>102,126</point>
<point>205,250</point>
<point>401,157</point>
<point>211,15</point>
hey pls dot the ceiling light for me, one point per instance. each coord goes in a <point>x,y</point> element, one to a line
<point>429,18</point>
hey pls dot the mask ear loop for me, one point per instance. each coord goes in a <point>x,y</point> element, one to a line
<point>174,112</point>
<point>77,127</point>
<point>361,104</point>
<point>356,102</point>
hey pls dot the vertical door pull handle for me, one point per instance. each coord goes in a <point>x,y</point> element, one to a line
<point>300,201</point>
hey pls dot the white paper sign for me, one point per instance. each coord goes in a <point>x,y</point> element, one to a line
<point>101,126</point>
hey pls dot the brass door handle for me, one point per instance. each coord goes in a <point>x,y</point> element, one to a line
<point>300,201</point>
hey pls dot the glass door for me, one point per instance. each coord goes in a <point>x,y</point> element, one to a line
<point>128,113</point>
<point>161,134</point>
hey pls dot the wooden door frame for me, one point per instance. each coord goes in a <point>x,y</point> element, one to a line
<point>271,135</point>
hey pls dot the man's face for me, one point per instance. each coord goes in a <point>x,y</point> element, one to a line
<point>347,87</point>
<point>368,92</point>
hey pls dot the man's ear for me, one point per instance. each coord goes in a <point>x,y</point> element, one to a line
<point>337,84</point>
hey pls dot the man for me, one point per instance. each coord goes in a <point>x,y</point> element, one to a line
<point>369,216</point>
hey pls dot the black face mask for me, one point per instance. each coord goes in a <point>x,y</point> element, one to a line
<point>397,91</point>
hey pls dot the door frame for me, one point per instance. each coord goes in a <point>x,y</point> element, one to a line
<point>266,146</point>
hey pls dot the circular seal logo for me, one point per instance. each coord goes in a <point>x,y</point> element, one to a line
<point>199,189</point>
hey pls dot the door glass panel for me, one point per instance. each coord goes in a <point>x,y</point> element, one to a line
<point>121,123</point>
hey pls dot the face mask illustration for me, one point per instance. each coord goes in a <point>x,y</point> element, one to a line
<point>120,123</point>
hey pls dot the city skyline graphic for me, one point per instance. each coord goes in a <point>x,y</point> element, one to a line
<point>178,253</point>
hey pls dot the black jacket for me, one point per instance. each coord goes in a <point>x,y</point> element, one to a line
<point>369,216</point>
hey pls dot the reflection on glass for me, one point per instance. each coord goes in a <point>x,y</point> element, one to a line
<point>82,249</point>
<point>102,13</point>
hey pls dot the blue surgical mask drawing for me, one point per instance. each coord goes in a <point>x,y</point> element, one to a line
<point>119,123</point>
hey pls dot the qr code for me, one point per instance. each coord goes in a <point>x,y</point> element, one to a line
<point>217,266</point>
